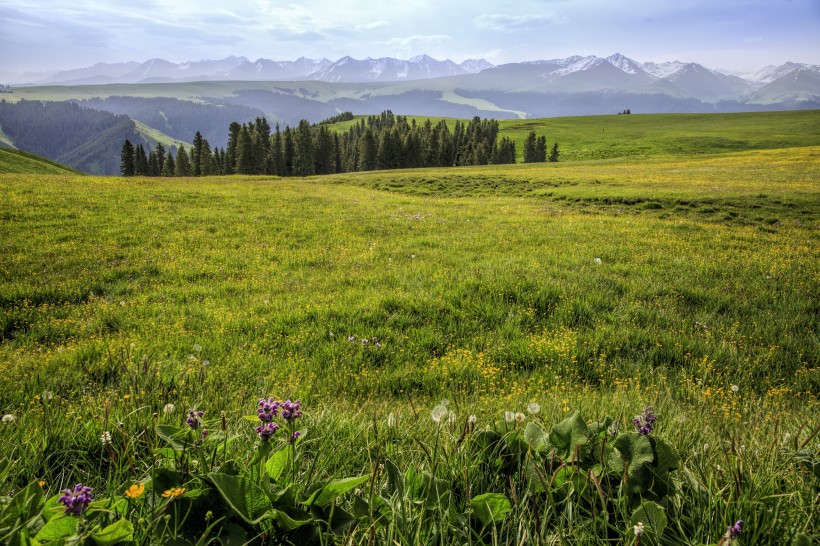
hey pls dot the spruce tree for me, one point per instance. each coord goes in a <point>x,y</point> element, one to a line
<point>554,153</point>
<point>127,159</point>
<point>530,148</point>
<point>541,149</point>
<point>169,167</point>
<point>183,164</point>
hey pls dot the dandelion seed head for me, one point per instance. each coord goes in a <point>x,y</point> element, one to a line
<point>168,408</point>
<point>534,407</point>
<point>8,418</point>
<point>438,413</point>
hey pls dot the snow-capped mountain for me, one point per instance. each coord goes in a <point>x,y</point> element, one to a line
<point>570,75</point>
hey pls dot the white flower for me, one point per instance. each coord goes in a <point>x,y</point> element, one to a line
<point>734,388</point>
<point>105,438</point>
<point>509,416</point>
<point>169,408</point>
<point>597,260</point>
<point>48,395</point>
<point>438,413</point>
<point>519,417</point>
<point>533,407</point>
<point>197,347</point>
<point>391,420</point>
<point>472,419</point>
<point>8,418</point>
<point>638,529</point>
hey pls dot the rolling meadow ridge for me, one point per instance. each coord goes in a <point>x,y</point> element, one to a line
<point>456,338</point>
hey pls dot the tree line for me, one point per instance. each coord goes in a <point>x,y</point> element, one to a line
<point>385,141</point>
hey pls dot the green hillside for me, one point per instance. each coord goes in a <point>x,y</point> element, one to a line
<point>602,137</point>
<point>18,161</point>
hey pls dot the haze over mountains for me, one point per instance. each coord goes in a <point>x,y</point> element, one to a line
<point>571,74</point>
<point>172,101</point>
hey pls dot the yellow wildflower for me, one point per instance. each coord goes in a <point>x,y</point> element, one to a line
<point>174,492</point>
<point>135,491</point>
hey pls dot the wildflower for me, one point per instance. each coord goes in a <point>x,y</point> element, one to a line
<point>105,438</point>
<point>135,491</point>
<point>734,388</point>
<point>732,533</point>
<point>378,345</point>
<point>638,529</point>
<point>519,418</point>
<point>533,407</point>
<point>509,416</point>
<point>268,409</point>
<point>290,410</point>
<point>351,339</point>
<point>76,500</point>
<point>438,413</point>
<point>365,341</point>
<point>472,419</point>
<point>295,436</point>
<point>168,408</point>
<point>597,260</point>
<point>266,430</point>
<point>174,492</point>
<point>194,418</point>
<point>204,432</point>
<point>8,418</point>
<point>643,423</point>
<point>48,395</point>
<point>391,420</point>
<point>197,347</point>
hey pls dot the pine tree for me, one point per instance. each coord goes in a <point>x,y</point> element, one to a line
<point>554,153</point>
<point>244,152</point>
<point>183,164</point>
<point>196,155</point>
<point>140,161</point>
<point>169,167</point>
<point>303,163</point>
<point>127,159</point>
<point>530,148</point>
<point>230,151</point>
<point>541,149</point>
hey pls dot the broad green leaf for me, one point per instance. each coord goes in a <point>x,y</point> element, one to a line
<point>58,527</point>
<point>244,496</point>
<point>325,495</point>
<point>120,531</point>
<point>233,535</point>
<point>535,435</point>
<point>279,463</point>
<point>538,480</point>
<point>292,519</point>
<point>666,460</point>
<point>570,437</point>
<point>175,437</point>
<point>490,507</point>
<point>654,520</point>
<point>26,504</point>
<point>341,521</point>
<point>801,540</point>
<point>635,453</point>
<point>395,481</point>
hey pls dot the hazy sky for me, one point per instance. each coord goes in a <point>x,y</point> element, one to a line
<point>38,35</point>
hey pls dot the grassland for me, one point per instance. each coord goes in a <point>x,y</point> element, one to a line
<point>685,282</point>
<point>18,162</point>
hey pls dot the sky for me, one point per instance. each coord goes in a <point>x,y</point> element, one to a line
<point>738,35</point>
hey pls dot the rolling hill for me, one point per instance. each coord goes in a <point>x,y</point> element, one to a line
<point>20,162</point>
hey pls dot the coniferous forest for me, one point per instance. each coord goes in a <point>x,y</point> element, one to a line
<point>385,141</point>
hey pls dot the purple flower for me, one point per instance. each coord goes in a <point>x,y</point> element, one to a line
<point>76,500</point>
<point>268,409</point>
<point>294,436</point>
<point>734,531</point>
<point>643,423</point>
<point>290,410</point>
<point>194,418</point>
<point>266,430</point>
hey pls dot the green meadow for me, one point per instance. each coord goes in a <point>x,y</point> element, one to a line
<point>456,337</point>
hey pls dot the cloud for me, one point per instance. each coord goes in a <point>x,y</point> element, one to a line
<point>418,41</point>
<point>371,26</point>
<point>513,23</point>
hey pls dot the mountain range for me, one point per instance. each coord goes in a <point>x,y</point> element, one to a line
<point>171,101</point>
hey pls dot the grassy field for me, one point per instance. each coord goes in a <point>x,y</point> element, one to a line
<point>18,161</point>
<point>684,282</point>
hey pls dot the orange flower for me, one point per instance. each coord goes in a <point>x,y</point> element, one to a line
<point>174,492</point>
<point>135,491</point>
